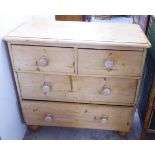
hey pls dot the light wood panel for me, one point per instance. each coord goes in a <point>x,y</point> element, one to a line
<point>58,59</point>
<point>77,115</point>
<point>14,73</point>
<point>124,63</point>
<point>81,32</point>
<point>78,89</point>
<point>69,43</point>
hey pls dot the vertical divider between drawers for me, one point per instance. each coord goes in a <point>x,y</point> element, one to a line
<point>76,60</point>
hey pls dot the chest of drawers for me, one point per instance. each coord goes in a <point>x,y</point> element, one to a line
<point>78,74</point>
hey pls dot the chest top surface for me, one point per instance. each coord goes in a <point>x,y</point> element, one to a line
<point>81,32</point>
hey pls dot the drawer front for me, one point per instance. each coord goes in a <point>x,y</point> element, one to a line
<point>44,87</point>
<point>108,62</point>
<point>77,115</point>
<point>43,59</point>
<point>105,90</point>
<point>77,89</point>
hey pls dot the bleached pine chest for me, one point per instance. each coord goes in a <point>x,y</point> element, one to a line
<point>78,74</point>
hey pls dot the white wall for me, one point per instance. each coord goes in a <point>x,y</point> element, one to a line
<point>11,124</point>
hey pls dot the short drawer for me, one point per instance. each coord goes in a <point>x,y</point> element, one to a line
<point>44,87</point>
<point>103,90</point>
<point>77,115</point>
<point>43,59</point>
<point>108,62</point>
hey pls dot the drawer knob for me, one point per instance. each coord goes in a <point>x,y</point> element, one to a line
<point>48,118</point>
<point>104,119</point>
<point>106,91</point>
<point>47,87</point>
<point>43,61</point>
<point>108,64</point>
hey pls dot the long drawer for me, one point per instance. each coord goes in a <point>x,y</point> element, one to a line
<point>43,59</point>
<point>77,115</point>
<point>77,88</point>
<point>109,62</point>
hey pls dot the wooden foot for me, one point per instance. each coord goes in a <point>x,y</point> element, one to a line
<point>142,137</point>
<point>122,134</point>
<point>34,128</point>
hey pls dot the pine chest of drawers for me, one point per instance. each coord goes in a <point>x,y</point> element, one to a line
<point>78,74</point>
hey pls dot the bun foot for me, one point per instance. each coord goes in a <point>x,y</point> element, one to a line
<point>142,137</point>
<point>122,134</point>
<point>34,128</point>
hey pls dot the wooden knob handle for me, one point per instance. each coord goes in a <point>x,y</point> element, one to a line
<point>106,91</point>
<point>108,64</point>
<point>48,118</point>
<point>104,119</point>
<point>46,88</point>
<point>43,61</point>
